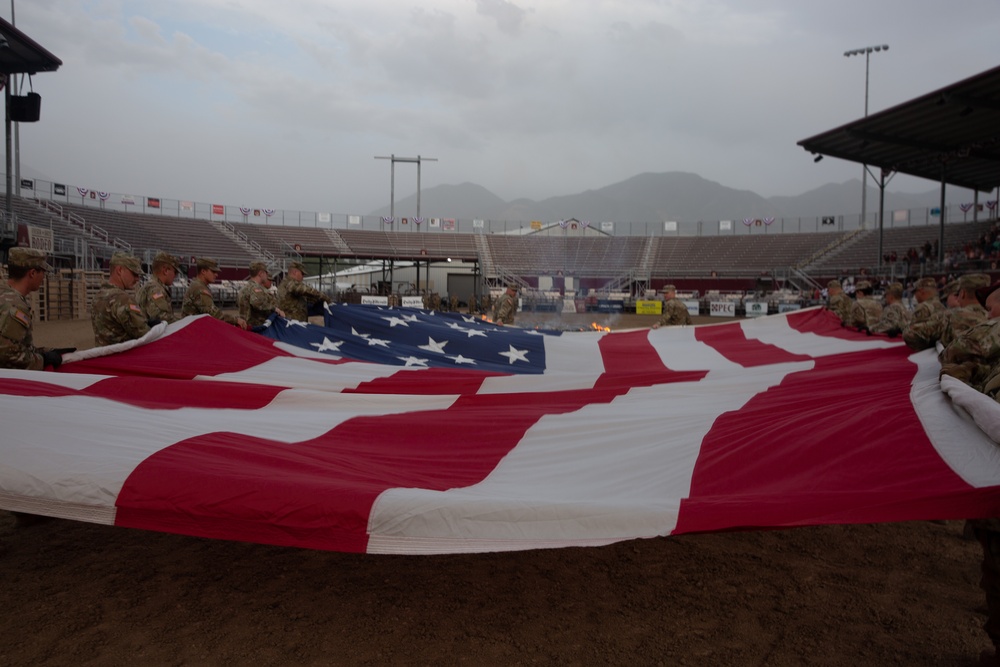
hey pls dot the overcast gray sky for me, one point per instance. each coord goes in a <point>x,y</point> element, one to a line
<point>285,104</point>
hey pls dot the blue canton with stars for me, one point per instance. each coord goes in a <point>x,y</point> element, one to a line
<point>415,338</point>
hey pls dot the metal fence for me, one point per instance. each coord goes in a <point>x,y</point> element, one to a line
<point>67,193</point>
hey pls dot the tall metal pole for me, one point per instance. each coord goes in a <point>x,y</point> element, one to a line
<point>392,178</point>
<point>867,51</point>
<point>418,186</point>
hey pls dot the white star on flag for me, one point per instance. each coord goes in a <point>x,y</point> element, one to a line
<point>459,359</point>
<point>327,345</point>
<point>434,346</point>
<point>393,321</point>
<point>295,323</point>
<point>359,335</point>
<point>515,354</point>
<point>377,341</point>
<point>471,332</point>
<point>413,361</point>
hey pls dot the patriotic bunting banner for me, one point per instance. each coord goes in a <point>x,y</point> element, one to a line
<point>388,220</point>
<point>245,210</point>
<point>83,191</point>
<point>206,430</point>
<point>104,196</point>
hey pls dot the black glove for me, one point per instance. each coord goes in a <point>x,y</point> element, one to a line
<point>64,350</point>
<point>52,358</point>
<point>893,333</point>
<point>153,321</point>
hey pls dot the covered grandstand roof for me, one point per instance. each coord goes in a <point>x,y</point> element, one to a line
<point>23,55</point>
<point>951,134</point>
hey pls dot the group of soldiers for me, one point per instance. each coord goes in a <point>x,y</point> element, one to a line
<point>120,313</point>
<point>967,325</point>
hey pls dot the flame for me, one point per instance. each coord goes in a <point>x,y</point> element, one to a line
<point>597,327</point>
<point>486,318</point>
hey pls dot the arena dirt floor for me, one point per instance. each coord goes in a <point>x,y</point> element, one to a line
<point>892,594</point>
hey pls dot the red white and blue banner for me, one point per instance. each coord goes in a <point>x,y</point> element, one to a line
<point>206,430</point>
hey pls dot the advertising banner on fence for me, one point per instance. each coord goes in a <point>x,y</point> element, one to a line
<point>722,309</point>
<point>648,307</point>
<point>373,300</point>
<point>413,302</point>
<point>755,308</point>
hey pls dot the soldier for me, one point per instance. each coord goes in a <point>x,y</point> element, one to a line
<point>866,311</point>
<point>674,310</point>
<point>255,300</point>
<point>974,355</point>
<point>295,297</point>
<point>198,298</point>
<point>839,303</point>
<point>895,317</point>
<point>947,324</point>
<point>928,303</point>
<point>506,306</point>
<point>453,303</point>
<point>26,269</point>
<point>114,314</point>
<point>154,295</point>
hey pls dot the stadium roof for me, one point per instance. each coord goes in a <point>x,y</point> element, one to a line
<point>23,55</point>
<point>950,135</point>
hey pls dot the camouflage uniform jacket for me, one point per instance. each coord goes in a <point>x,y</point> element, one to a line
<point>154,299</point>
<point>841,305</point>
<point>865,312</point>
<point>925,310</point>
<point>944,326</point>
<point>974,353</point>
<point>504,309</point>
<point>116,316</point>
<point>294,298</point>
<point>16,347</point>
<point>674,312</point>
<point>198,301</point>
<point>256,303</point>
<point>894,316</point>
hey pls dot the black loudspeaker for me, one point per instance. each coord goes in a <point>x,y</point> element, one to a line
<point>26,108</point>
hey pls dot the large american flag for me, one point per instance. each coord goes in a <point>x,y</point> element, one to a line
<point>206,430</point>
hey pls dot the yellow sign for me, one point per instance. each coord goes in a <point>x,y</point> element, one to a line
<point>536,224</point>
<point>648,307</point>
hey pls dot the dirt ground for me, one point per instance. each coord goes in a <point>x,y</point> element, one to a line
<point>891,594</point>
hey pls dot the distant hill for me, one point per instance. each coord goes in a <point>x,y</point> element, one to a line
<point>649,197</point>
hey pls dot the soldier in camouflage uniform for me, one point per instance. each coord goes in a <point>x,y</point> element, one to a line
<point>948,323</point>
<point>674,310</point>
<point>114,314</point>
<point>255,300</point>
<point>453,303</point>
<point>26,269</point>
<point>506,306</point>
<point>839,303</point>
<point>295,297</point>
<point>154,295</point>
<point>895,317</point>
<point>866,311</point>
<point>198,298</point>
<point>928,303</point>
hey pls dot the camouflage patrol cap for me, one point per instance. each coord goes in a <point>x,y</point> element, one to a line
<point>28,258</point>
<point>834,284</point>
<point>257,267</point>
<point>166,259</point>
<point>669,288</point>
<point>926,283</point>
<point>971,282</point>
<point>513,287</point>
<point>204,263</point>
<point>950,288</point>
<point>130,262</point>
<point>300,266</point>
<point>863,286</point>
<point>895,289</point>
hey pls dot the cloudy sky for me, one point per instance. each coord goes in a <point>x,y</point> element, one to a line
<point>286,104</point>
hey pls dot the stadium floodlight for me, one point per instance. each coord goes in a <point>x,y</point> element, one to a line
<point>867,52</point>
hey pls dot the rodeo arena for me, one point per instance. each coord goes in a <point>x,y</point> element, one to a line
<point>398,418</point>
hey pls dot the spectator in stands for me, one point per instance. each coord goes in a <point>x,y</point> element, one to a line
<point>255,300</point>
<point>840,304</point>
<point>674,310</point>
<point>947,324</point>
<point>895,316</point>
<point>26,268</point>
<point>114,314</point>
<point>198,298</point>
<point>154,295</point>
<point>865,311</point>
<point>295,297</point>
<point>506,306</point>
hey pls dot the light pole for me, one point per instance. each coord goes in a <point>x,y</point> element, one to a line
<point>867,52</point>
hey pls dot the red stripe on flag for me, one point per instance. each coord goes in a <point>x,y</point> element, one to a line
<point>631,361</point>
<point>730,341</point>
<point>436,381</point>
<point>825,446</point>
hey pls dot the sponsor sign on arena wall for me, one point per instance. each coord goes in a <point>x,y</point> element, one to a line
<point>412,302</point>
<point>693,306</point>
<point>648,307</point>
<point>373,300</point>
<point>788,307</point>
<point>722,309</point>
<point>755,308</point>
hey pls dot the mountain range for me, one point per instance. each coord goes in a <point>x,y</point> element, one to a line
<point>652,197</point>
